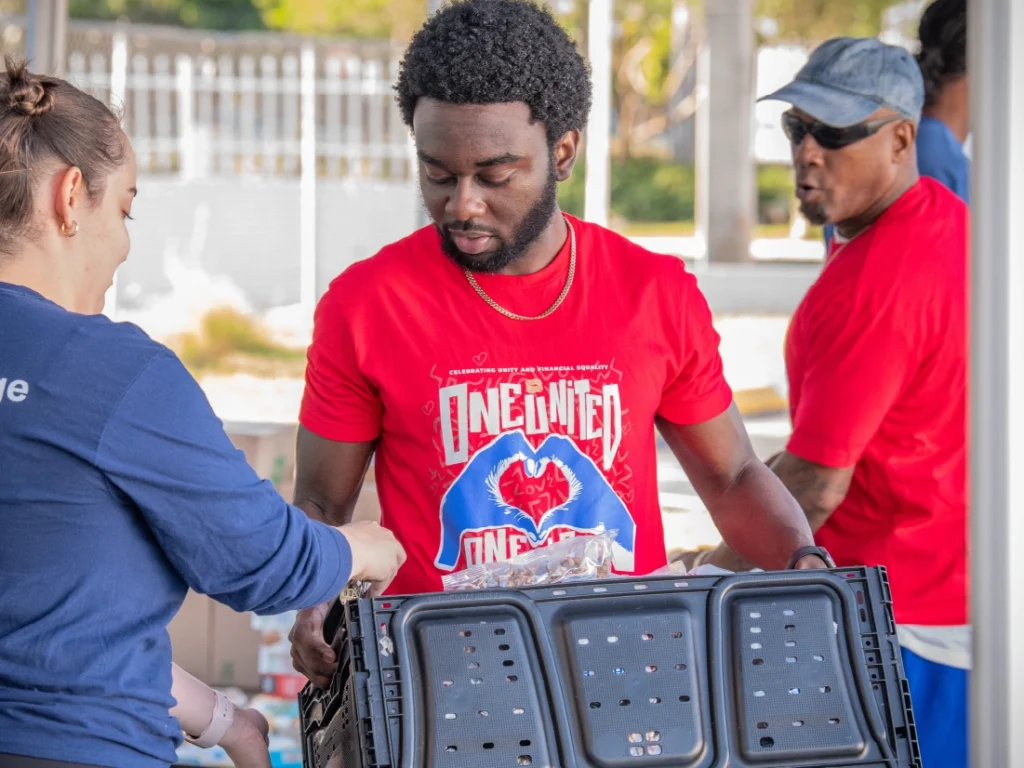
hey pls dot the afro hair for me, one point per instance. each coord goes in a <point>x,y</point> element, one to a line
<point>498,52</point>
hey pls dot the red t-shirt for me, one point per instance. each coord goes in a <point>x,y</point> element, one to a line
<point>877,362</point>
<point>497,435</point>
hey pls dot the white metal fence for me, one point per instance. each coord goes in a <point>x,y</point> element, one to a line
<point>201,105</point>
<point>214,110</point>
<point>205,104</point>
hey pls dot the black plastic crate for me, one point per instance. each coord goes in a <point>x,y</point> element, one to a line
<point>800,669</point>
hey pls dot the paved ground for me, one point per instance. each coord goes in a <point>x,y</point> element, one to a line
<point>751,347</point>
<point>687,523</point>
<point>762,249</point>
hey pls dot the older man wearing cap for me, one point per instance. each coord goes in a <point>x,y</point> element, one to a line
<point>876,358</point>
<point>945,122</point>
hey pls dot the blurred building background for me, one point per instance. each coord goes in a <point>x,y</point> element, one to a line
<point>272,155</point>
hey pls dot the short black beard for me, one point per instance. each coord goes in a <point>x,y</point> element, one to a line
<point>814,214</point>
<point>529,229</point>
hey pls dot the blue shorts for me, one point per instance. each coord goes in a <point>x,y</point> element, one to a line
<point>939,694</point>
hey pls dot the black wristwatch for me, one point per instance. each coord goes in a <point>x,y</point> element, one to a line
<point>803,552</point>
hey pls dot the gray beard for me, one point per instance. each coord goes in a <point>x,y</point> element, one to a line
<point>814,214</point>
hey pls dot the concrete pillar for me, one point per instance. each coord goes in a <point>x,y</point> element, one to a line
<point>726,204</point>
<point>681,134</point>
<point>308,289</point>
<point>47,36</point>
<point>996,64</point>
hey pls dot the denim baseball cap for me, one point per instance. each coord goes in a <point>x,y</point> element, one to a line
<point>848,79</point>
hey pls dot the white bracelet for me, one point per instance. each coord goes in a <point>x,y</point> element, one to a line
<point>223,717</point>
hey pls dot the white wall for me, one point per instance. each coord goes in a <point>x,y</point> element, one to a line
<point>247,233</point>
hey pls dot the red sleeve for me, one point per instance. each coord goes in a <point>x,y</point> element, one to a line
<point>696,390</point>
<point>338,402</point>
<point>860,354</point>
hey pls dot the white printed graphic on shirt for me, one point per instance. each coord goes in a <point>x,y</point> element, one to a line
<point>537,458</point>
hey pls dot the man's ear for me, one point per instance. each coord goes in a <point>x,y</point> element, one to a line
<point>565,153</point>
<point>904,137</point>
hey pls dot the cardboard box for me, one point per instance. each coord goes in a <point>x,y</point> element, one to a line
<point>270,451</point>
<point>234,649</point>
<point>190,636</point>
<point>215,644</point>
<point>211,641</point>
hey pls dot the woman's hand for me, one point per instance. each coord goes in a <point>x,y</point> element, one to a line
<point>376,554</point>
<point>247,740</point>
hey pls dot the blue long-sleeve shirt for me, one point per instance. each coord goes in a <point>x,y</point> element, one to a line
<point>119,490</point>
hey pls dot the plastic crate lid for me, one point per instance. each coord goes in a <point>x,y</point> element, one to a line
<point>748,670</point>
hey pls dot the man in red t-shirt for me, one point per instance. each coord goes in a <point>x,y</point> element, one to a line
<point>876,357</point>
<point>507,366</point>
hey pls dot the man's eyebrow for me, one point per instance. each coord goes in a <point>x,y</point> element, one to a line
<point>499,160</point>
<point>430,160</point>
<point>490,162</point>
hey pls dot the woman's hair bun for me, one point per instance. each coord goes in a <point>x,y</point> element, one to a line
<point>26,93</point>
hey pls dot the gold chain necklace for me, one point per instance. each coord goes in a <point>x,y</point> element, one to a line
<point>561,297</point>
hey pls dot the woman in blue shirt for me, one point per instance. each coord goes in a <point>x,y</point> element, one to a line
<point>119,489</point>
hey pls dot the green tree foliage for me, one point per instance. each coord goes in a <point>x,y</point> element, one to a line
<point>658,41</point>
<point>199,14</point>
<point>655,48</point>
<point>372,19</point>
<point>648,20</point>
<point>375,19</point>
<point>813,21</point>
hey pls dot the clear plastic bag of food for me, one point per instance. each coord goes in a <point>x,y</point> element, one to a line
<point>581,558</point>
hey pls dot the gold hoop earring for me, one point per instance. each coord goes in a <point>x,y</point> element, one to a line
<point>64,229</point>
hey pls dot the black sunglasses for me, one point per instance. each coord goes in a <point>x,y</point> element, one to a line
<point>828,136</point>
